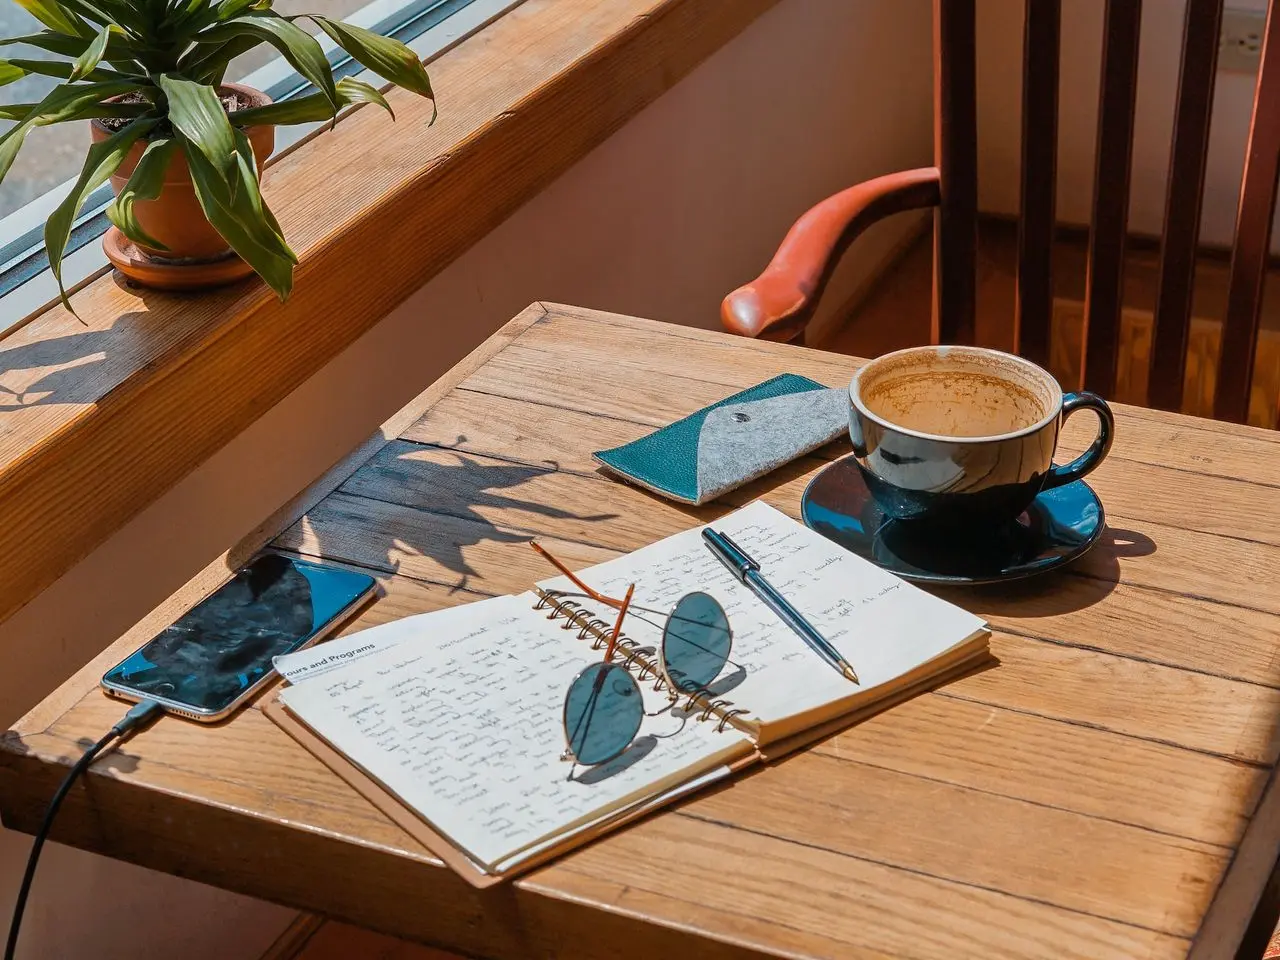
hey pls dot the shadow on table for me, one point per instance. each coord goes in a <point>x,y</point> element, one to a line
<point>450,496</point>
<point>1081,585</point>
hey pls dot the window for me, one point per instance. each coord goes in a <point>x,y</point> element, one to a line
<point>52,156</point>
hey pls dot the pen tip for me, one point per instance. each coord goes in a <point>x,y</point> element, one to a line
<point>850,675</point>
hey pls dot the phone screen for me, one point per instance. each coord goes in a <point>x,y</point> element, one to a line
<point>223,646</point>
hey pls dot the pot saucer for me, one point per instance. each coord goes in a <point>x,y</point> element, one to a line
<point>164,274</point>
<point>1059,526</point>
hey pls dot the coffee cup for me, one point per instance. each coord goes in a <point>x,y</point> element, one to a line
<point>955,436</point>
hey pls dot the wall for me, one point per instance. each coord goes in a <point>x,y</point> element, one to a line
<point>1000,111</point>
<point>681,205</point>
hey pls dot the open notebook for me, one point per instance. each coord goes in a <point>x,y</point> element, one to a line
<point>451,722</point>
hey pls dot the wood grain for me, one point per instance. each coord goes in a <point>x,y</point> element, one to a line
<point>955,154</point>
<point>1041,53</point>
<point>1094,794</point>
<point>1252,235</point>
<point>1188,159</point>
<point>151,384</point>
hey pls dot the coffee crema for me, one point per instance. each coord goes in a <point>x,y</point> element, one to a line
<point>958,393</point>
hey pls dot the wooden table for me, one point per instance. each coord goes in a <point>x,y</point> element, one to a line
<point>1105,791</point>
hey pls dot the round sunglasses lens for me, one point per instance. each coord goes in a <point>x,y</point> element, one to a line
<point>696,642</point>
<point>602,712</point>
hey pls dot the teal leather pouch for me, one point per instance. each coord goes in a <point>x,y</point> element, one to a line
<point>733,442</point>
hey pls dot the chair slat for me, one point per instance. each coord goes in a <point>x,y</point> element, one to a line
<point>1034,298</point>
<point>956,156</point>
<point>1253,236</point>
<point>1104,283</point>
<point>1183,199</point>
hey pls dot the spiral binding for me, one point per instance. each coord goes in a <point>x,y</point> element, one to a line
<point>636,660</point>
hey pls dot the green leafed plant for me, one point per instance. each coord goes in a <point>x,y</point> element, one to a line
<point>151,70</point>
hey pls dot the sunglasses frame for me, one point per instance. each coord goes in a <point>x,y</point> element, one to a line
<point>674,692</point>
<point>569,756</point>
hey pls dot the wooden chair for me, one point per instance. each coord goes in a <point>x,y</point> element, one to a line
<point>778,304</point>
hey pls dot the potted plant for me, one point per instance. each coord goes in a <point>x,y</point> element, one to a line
<point>183,148</point>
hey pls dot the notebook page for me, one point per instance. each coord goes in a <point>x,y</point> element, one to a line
<point>335,654</point>
<point>466,729</point>
<point>882,625</point>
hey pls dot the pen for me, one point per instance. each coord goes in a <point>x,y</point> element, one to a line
<point>748,573</point>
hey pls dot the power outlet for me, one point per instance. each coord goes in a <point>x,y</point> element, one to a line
<point>1240,46</point>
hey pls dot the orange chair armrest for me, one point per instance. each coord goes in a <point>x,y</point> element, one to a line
<point>780,302</point>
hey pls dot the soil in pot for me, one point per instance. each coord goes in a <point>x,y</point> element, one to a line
<point>175,218</point>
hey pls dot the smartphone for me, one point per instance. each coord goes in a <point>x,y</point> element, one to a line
<point>218,654</point>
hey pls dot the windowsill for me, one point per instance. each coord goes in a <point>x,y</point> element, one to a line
<point>100,418</point>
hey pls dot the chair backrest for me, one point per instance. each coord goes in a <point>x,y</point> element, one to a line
<point>955,235</point>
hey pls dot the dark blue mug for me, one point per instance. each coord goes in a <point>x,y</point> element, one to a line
<point>964,437</point>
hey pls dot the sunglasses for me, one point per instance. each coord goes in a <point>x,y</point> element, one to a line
<point>603,707</point>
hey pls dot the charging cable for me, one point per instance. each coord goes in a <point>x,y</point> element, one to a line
<point>137,718</point>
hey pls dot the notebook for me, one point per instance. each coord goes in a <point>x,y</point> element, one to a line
<point>451,722</point>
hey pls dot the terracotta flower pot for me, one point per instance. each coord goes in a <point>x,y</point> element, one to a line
<point>175,218</point>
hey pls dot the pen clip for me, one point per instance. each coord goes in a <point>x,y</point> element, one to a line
<point>729,553</point>
<point>746,557</point>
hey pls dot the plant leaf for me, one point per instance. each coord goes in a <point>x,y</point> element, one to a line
<point>56,68</point>
<point>9,72</point>
<point>53,42</point>
<point>87,11</point>
<point>233,8</point>
<point>10,144</point>
<point>255,238</point>
<point>93,54</point>
<point>248,175</point>
<point>145,183</point>
<point>130,111</point>
<point>389,59</point>
<point>102,160</point>
<point>61,103</point>
<point>118,48</point>
<point>301,49</point>
<point>53,16</point>
<point>312,107</point>
<point>196,112</point>
<point>207,62</point>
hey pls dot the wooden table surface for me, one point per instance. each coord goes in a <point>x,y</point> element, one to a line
<point>1103,792</point>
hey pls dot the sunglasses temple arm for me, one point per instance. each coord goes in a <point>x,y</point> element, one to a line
<point>617,626</point>
<point>599,597</point>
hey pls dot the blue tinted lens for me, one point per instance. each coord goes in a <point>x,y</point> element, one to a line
<point>696,642</point>
<point>602,712</point>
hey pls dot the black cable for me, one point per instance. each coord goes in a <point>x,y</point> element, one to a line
<point>137,717</point>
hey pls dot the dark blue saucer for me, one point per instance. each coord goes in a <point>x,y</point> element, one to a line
<point>1059,526</point>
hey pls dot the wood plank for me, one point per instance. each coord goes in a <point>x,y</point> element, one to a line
<point>793,889</point>
<point>1033,304</point>
<point>1094,772</point>
<point>171,379</point>
<point>1252,237</point>
<point>1223,717</point>
<point>1133,876</point>
<point>1104,279</point>
<point>1184,196</point>
<point>342,941</point>
<point>955,154</point>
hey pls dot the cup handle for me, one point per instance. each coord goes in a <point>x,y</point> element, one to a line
<point>1087,461</point>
